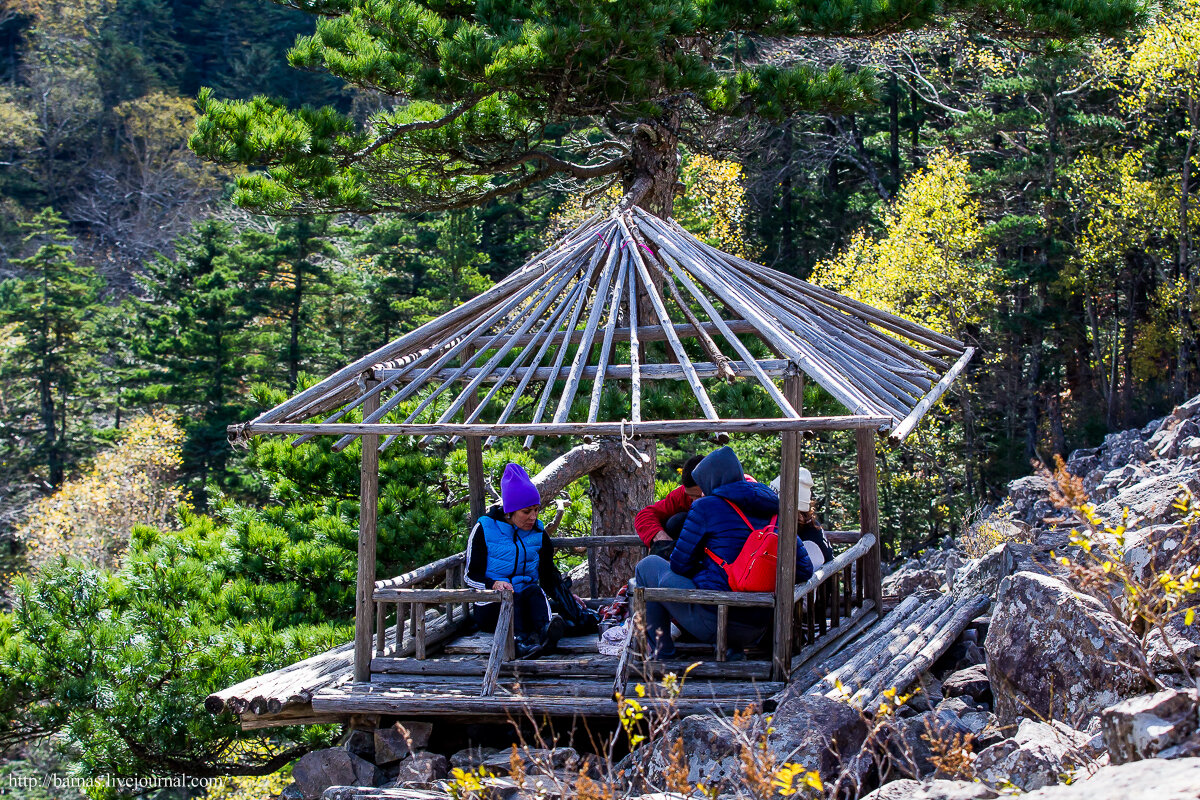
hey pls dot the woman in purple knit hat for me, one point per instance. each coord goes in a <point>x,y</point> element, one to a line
<point>510,551</point>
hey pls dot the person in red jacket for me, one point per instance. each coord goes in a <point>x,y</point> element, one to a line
<point>658,524</point>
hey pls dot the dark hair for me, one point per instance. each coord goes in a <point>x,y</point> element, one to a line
<point>688,466</point>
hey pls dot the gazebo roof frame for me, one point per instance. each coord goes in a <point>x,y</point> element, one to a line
<point>583,293</point>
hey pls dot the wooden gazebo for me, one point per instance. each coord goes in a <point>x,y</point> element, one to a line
<point>520,360</point>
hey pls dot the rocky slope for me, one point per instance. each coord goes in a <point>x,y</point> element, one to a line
<point>1052,684</point>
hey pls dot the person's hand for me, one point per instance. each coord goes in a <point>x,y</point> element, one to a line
<point>806,517</point>
<point>502,586</point>
<point>662,536</point>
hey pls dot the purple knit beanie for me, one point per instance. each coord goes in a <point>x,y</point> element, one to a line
<point>516,490</point>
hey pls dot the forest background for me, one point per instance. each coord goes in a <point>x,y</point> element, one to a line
<point>1031,198</point>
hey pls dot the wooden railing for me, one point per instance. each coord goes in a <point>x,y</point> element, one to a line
<point>432,602</point>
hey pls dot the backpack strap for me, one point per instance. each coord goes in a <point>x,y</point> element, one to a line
<point>739,512</point>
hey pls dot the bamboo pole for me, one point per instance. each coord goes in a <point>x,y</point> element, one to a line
<point>606,343</point>
<point>532,314</point>
<point>560,356</point>
<point>906,426</point>
<point>635,371</point>
<point>772,368</point>
<point>368,508</point>
<point>578,293</point>
<point>589,334</point>
<point>730,337</point>
<point>656,302</point>
<point>451,353</point>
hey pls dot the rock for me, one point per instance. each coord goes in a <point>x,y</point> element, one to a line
<point>983,575</point>
<point>1151,501</point>
<point>1036,755</point>
<point>977,722</point>
<point>360,743</point>
<point>291,792</point>
<point>1055,652</point>
<point>959,656</point>
<point>1184,641</point>
<point>972,682</point>
<point>422,767</point>
<point>906,581</point>
<point>820,733</point>
<point>317,771</point>
<point>1153,549</point>
<point>1141,780</point>
<point>394,743</point>
<point>1028,499</point>
<point>471,757</point>
<point>534,761</point>
<point>1160,725</point>
<point>1187,409</point>
<point>958,705</point>
<point>908,789</point>
<point>1168,443</point>
<point>907,742</point>
<point>712,746</point>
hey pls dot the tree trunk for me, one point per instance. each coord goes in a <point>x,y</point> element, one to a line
<point>618,491</point>
<point>653,178</point>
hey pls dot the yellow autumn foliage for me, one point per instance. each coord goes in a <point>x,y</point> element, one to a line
<point>1163,63</point>
<point>927,265</point>
<point>132,483</point>
<point>713,206</point>
<point>247,787</point>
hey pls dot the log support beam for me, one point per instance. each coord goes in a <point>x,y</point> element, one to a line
<point>368,509</point>
<point>785,577</point>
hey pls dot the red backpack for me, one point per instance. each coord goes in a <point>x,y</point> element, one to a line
<point>754,568</point>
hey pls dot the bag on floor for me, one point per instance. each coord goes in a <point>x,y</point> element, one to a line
<point>580,619</point>
<point>754,568</point>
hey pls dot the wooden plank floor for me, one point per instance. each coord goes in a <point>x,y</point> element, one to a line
<point>429,696</point>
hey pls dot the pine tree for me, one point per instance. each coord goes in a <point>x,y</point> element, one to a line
<point>48,307</point>
<point>196,342</point>
<point>479,102</point>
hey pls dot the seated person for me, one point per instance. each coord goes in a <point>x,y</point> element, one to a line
<point>713,525</point>
<point>509,551</point>
<point>807,528</point>
<point>658,524</point>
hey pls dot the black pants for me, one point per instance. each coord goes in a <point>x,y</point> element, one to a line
<point>531,612</point>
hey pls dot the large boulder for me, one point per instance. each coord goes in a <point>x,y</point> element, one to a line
<point>1151,501</point>
<point>1036,755</point>
<point>1175,642</point>
<point>317,771</point>
<point>908,743</point>
<point>1140,780</point>
<point>394,743</point>
<point>713,749</point>
<point>1155,548</point>
<point>1028,499</point>
<point>983,575</point>
<point>1057,653</point>
<point>908,789</point>
<point>1160,725</point>
<point>821,733</point>
<point>533,760</point>
<point>908,580</point>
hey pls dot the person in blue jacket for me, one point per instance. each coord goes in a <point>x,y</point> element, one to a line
<point>509,551</point>
<point>711,524</point>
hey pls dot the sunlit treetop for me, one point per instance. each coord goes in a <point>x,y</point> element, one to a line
<point>472,101</point>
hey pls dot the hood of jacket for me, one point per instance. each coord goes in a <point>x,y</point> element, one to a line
<point>719,468</point>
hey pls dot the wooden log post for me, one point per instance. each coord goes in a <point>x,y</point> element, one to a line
<point>868,508</point>
<point>785,576</point>
<point>368,508</point>
<point>476,491</point>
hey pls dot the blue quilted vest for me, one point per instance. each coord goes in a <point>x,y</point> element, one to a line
<point>512,553</point>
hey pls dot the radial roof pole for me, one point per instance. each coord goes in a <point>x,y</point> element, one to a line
<point>868,509</point>
<point>368,509</point>
<point>785,576</point>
